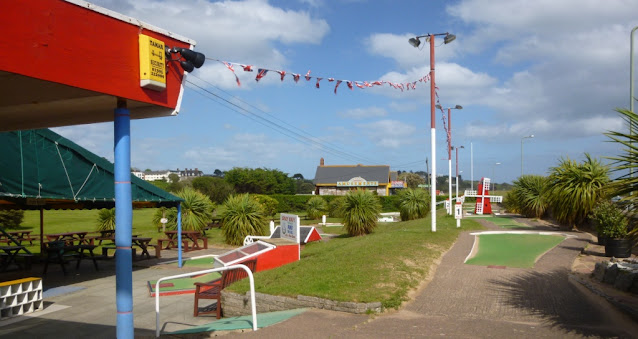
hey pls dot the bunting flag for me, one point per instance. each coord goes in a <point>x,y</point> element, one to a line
<point>337,85</point>
<point>230,67</point>
<point>283,74</point>
<point>261,72</point>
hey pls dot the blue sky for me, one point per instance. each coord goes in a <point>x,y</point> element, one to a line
<point>554,69</point>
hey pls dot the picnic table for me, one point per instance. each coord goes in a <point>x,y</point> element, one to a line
<point>9,256</point>
<point>70,238</point>
<point>63,247</point>
<point>17,236</point>
<point>143,243</point>
<point>190,240</point>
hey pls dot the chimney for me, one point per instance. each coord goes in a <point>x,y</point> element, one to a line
<point>321,162</point>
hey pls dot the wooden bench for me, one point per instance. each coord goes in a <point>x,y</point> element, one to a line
<point>106,249</point>
<point>213,289</point>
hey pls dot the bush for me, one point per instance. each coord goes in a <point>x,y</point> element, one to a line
<point>315,207</point>
<point>610,221</point>
<point>389,203</point>
<point>268,204</point>
<point>414,204</point>
<point>106,219</point>
<point>336,206</point>
<point>361,212</point>
<point>528,196</point>
<point>197,211</point>
<point>243,216</point>
<point>11,219</point>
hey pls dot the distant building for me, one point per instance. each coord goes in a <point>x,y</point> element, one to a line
<point>157,175</point>
<point>163,174</point>
<point>189,173</point>
<point>339,179</point>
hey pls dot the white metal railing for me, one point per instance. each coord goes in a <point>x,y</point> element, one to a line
<point>244,267</point>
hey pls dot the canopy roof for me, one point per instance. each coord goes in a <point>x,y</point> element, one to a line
<point>41,169</point>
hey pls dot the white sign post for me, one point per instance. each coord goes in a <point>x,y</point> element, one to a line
<point>290,228</point>
<point>458,213</point>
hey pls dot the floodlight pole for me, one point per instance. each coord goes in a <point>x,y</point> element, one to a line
<point>631,90</point>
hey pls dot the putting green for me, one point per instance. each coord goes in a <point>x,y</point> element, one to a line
<point>504,222</point>
<point>204,261</point>
<point>181,285</point>
<point>512,250</point>
<point>243,322</point>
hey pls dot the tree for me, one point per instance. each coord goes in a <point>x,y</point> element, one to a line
<point>361,212</point>
<point>173,178</point>
<point>575,188</point>
<point>161,184</point>
<point>197,211</point>
<point>414,204</point>
<point>218,173</point>
<point>315,207</point>
<point>242,216</point>
<point>217,189</point>
<point>11,219</point>
<point>268,205</point>
<point>625,165</point>
<point>298,176</point>
<point>148,170</point>
<point>260,181</point>
<point>304,186</point>
<point>413,180</point>
<point>528,196</point>
<point>106,219</point>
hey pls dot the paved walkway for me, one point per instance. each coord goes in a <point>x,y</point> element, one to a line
<point>466,301</point>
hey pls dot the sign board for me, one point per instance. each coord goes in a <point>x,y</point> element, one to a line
<point>397,184</point>
<point>423,186</point>
<point>152,63</point>
<point>458,211</point>
<point>357,183</point>
<point>290,227</point>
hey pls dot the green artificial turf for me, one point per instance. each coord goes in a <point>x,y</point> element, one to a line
<point>199,262</point>
<point>512,250</point>
<point>504,222</point>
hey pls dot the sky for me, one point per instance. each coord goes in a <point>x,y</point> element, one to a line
<point>553,69</point>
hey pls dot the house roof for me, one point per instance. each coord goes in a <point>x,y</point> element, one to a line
<point>41,169</point>
<point>334,174</point>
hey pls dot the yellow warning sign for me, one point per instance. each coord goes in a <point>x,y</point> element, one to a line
<point>152,63</point>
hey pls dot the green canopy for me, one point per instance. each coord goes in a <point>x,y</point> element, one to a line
<point>39,169</point>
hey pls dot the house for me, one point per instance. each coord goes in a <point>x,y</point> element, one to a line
<point>339,179</point>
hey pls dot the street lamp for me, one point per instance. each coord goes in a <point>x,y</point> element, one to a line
<point>449,151</point>
<point>492,181</point>
<point>416,42</point>
<point>457,172</point>
<point>523,138</point>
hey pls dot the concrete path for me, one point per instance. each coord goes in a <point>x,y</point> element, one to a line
<point>466,301</point>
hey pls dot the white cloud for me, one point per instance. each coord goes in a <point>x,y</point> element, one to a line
<point>97,138</point>
<point>404,106</point>
<point>388,133</point>
<point>364,113</point>
<point>235,31</point>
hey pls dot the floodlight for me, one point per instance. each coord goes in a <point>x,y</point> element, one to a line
<point>449,38</point>
<point>415,42</point>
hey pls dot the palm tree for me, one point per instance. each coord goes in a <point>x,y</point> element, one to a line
<point>106,219</point>
<point>243,216</point>
<point>528,196</point>
<point>414,204</point>
<point>361,212</point>
<point>197,211</point>
<point>315,207</point>
<point>335,207</point>
<point>626,164</point>
<point>575,188</point>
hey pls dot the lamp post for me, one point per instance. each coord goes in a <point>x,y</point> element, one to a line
<point>415,42</point>
<point>492,181</point>
<point>449,152</point>
<point>523,138</point>
<point>457,172</point>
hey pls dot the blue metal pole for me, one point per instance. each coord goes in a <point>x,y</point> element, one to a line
<point>179,235</point>
<point>123,222</point>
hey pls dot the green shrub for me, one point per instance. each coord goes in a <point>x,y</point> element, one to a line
<point>316,207</point>
<point>389,203</point>
<point>610,220</point>
<point>197,211</point>
<point>528,196</point>
<point>11,219</point>
<point>268,204</point>
<point>336,206</point>
<point>106,219</point>
<point>361,212</point>
<point>243,216</point>
<point>414,204</point>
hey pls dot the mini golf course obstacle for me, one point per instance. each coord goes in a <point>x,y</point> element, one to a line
<point>306,234</point>
<point>483,197</point>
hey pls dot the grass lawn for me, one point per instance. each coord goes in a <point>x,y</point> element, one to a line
<point>512,250</point>
<point>382,266</point>
<point>61,221</point>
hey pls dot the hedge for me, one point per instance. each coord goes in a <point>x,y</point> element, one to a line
<point>297,203</point>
